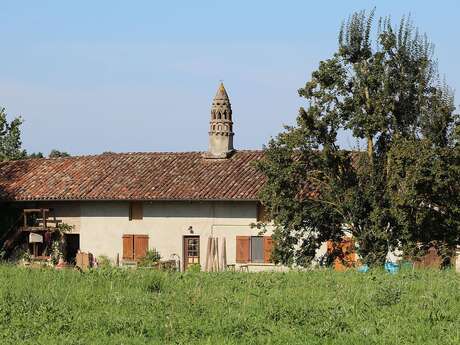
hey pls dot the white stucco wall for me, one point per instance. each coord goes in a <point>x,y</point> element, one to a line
<point>69,213</point>
<point>102,225</point>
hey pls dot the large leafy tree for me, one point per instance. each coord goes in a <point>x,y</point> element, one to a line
<point>10,138</point>
<point>386,93</point>
<point>10,149</point>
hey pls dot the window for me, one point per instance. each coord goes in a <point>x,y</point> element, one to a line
<point>262,214</point>
<point>135,246</point>
<point>255,249</point>
<point>136,211</point>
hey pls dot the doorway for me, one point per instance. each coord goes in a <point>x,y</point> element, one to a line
<point>72,245</point>
<point>191,251</point>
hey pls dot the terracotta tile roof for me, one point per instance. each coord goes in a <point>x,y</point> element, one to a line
<point>133,176</point>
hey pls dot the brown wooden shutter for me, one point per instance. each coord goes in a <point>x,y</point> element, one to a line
<point>141,245</point>
<point>128,247</point>
<point>268,248</point>
<point>136,211</point>
<point>243,249</point>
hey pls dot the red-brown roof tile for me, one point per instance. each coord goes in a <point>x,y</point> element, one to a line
<point>133,176</point>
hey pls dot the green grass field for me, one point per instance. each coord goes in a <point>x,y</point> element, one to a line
<point>148,307</point>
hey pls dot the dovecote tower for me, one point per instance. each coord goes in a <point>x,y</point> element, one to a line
<point>221,126</point>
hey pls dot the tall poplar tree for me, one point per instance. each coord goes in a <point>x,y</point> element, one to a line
<point>386,93</point>
<point>10,138</point>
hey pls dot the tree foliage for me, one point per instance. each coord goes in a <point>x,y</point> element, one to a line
<point>10,138</point>
<point>35,155</point>
<point>58,154</point>
<point>11,143</point>
<point>382,87</point>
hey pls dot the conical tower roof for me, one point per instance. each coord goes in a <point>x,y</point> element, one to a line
<point>221,94</point>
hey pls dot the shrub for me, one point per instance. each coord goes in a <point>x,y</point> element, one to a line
<point>56,251</point>
<point>103,261</point>
<point>151,258</point>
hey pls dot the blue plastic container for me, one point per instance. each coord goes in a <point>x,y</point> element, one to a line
<point>363,268</point>
<point>391,267</point>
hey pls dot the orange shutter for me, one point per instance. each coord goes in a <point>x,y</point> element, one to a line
<point>430,260</point>
<point>128,247</point>
<point>141,245</point>
<point>346,253</point>
<point>243,248</point>
<point>268,248</point>
<point>330,247</point>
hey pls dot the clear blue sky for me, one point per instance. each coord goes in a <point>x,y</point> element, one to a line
<point>93,76</point>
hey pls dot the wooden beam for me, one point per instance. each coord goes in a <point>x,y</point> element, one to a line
<point>35,210</point>
<point>34,228</point>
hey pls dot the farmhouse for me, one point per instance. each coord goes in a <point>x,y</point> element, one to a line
<point>121,205</point>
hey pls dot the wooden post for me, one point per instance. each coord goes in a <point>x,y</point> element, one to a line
<point>213,255</point>
<point>223,261</point>
<point>217,255</point>
<point>44,218</point>
<point>208,256</point>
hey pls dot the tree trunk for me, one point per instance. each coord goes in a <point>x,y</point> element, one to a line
<point>370,148</point>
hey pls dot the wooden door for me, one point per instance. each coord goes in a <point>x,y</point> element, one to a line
<point>191,250</point>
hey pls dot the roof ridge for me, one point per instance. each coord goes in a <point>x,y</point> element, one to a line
<point>130,153</point>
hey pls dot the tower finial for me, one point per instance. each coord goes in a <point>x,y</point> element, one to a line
<point>221,125</point>
<point>221,93</point>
